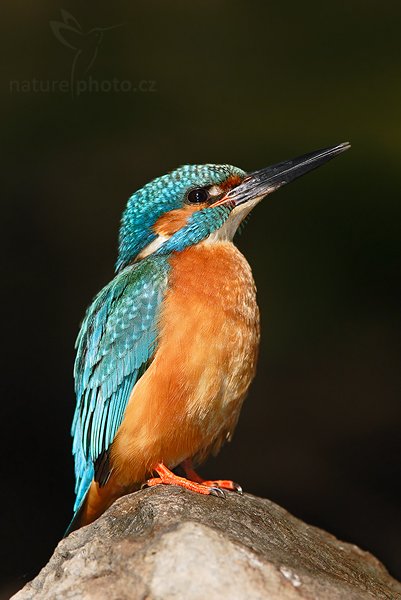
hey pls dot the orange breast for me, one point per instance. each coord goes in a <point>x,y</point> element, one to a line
<point>188,401</point>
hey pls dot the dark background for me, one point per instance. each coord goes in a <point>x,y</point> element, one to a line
<point>243,83</point>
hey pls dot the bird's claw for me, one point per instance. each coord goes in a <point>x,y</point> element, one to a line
<point>237,488</point>
<point>215,491</point>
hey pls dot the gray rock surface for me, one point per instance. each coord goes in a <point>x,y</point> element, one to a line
<point>166,543</point>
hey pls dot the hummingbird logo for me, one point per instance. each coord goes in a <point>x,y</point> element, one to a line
<point>84,44</point>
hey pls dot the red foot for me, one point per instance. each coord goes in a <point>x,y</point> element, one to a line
<point>225,484</point>
<point>168,477</point>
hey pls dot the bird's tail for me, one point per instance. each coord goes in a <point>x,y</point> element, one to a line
<point>96,501</point>
<point>75,521</point>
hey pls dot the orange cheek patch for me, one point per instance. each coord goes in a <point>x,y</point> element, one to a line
<point>172,221</point>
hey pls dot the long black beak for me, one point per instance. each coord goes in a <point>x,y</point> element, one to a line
<point>259,184</point>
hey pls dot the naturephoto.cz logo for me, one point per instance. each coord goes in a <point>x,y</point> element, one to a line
<point>84,47</point>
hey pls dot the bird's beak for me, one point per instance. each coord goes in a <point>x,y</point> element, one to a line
<point>259,184</point>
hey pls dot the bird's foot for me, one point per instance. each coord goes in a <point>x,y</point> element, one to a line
<point>168,477</point>
<point>225,484</point>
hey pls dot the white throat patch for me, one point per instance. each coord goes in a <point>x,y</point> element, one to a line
<point>228,229</point>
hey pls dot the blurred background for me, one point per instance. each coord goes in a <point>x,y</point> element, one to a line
<point>99,98</point>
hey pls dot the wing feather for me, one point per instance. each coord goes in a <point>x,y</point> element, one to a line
<point>114,347</point>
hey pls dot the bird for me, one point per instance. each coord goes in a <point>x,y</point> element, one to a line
<point>167,350</point>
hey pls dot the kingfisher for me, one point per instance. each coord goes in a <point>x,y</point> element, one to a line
<point>168,349</point>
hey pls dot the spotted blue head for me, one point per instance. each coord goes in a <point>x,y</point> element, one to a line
<point>196,202</point>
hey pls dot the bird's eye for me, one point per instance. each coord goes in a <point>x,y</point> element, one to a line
<point>198,195</point>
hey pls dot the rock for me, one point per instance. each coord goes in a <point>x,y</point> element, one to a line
<point>166,543</point>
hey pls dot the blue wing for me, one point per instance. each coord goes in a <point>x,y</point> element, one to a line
<point>116,342</point>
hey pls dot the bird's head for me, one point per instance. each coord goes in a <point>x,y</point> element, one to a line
<point>196,202</point>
